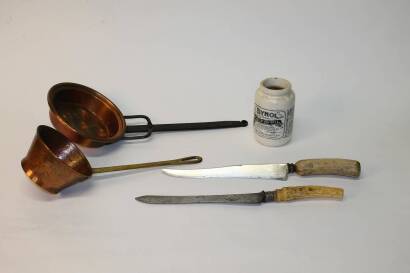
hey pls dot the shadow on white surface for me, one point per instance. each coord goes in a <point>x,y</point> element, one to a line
<point>305,128</point>
<point>86,186</point>
<point>105,176</point>
<point>34,192</point>
<point>78,189</point>
<point>205,205</point>
<point>110,148</point>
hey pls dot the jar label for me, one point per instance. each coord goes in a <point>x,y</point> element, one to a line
<point>273,124</point>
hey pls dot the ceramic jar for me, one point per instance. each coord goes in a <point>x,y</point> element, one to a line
<point>273,113</point>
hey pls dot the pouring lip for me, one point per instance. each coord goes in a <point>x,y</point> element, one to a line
<point>55,89</point>
<point>47,129</point>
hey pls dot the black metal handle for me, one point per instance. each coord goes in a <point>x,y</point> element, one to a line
<point>186,126</point>
<point>148,128</point>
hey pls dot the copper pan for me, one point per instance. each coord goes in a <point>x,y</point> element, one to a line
<point>54,163</point>
<point>90,119</point>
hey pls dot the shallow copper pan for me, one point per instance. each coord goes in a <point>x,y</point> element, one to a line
<point>54,163</point>
<point>90,119</point>
<point>84,115</point>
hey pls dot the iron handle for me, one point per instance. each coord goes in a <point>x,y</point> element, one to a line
<point>186,126</point>
<point>148,128</point>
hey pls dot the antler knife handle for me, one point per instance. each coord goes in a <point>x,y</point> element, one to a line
<point>307,192</point>
<point>328,166</point>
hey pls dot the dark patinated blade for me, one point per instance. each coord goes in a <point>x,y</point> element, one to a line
<point>247,198</point>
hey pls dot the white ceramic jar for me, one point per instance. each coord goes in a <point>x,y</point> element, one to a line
<point>274,109</point>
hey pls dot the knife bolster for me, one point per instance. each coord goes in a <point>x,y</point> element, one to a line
<point>328,166</point>
<point>269,196</point>
<point>291,168</point>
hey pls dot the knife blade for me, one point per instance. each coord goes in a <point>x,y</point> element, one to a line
<point>324,166</point>
<point>280,195</point>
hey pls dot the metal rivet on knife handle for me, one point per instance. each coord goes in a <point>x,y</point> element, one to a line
<point>307,192</point>
<point>328,166</point>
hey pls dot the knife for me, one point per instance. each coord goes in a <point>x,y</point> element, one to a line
<point>323,166</point>
<point>279,195</point>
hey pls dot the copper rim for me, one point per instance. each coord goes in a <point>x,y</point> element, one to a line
<point>84,115</point>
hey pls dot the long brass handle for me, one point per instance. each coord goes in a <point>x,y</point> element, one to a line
<point>179,161</point>
<point>307,192</point>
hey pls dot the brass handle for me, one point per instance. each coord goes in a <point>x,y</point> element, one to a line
<point>307,192</point>
<point>328,166</point>
<point>179,161</point>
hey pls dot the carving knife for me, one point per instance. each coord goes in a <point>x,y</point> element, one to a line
<point>280,195</point>
<point>324,166</point>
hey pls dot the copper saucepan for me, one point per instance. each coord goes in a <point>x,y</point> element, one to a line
<point>90,119</point>
<point>54,163</point>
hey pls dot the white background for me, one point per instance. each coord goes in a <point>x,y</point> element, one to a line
<point>188,61</point>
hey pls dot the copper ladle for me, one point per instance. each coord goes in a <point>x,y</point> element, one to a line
<point>54,163</point>
<point>90,119</point>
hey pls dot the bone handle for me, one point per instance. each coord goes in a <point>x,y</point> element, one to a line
<point>328,166</point>
<point>307,192</point>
